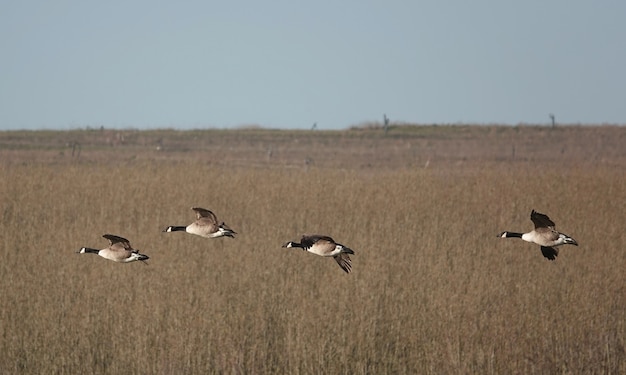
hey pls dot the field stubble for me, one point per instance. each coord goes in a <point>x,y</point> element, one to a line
<point>433,289</point>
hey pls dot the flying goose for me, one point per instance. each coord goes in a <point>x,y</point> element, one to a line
<point>206,225</point>
<point>119,250</point>
<point>543,235</point>
<point>326,247</point>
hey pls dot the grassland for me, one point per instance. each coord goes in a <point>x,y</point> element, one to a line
<point>433,289</point>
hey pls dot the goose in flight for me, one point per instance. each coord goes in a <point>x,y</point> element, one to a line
<point>326,247</point>
<point>544,235</point>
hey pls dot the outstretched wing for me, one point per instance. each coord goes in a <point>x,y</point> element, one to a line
<point>309,240</point>
<point>204,213</point>
<point>549,252</point>
<point>118,241</point>
<point>541,220</point>
<point>343,260</point>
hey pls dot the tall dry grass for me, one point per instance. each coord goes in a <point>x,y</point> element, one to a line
<point>433,290</point>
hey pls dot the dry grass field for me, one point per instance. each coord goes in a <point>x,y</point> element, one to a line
<point>433,289</point>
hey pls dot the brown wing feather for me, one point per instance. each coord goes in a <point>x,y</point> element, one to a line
<point>116,240</point>
<point>204,213</point>
<point>541,220</point>
<point>207,222</point>
<point>309,240</point>
<point>344,262</point>
<point>549,252</point>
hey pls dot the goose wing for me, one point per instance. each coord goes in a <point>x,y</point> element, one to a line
<point>549,252</point>
<point>317,244</point>
<point>113,239</point>
<point>344,261</point>
<point>118,242</point>
<point>205,214</point>
<point>310,240</point>
<point>541,220</point>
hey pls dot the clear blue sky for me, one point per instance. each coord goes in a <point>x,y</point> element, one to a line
<point>288,64</point>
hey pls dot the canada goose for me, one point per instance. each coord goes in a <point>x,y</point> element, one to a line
<point>119,250</point>
<point>543,235</point>
<point>206,225</point>
<point>326,247</point>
